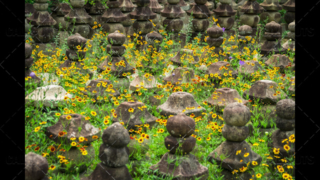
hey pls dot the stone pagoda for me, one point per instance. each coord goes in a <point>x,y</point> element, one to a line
<point>62,25</point>
<point>79,19</point>
<point>273,40</point>
<point>126,7</point>
<point>282,144</point>
<point>95,11</point>
<point>113,154</point>
<point>156,8</point>
<point>180,144</point>
<point>237,151</point>
<point>251,9</point>
<point>225,13</point>
<point>142,26</point>
<point>200,22</point>
<point>290,7</point>
<point>42,31</point>
<point>117,65</point>
<point>28,11</point>
<point>173,22</point>
<point>113,17</point>
<point>76,52</point>
<point>214,40</point>
<point>272,11</point>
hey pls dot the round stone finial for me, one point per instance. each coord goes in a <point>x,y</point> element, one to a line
<point>116,136</point>
<point>77,3</point>
<point>236,114</point>
<point>215,31</point>
<point>76,40</point>
<point>292,26</point>
<point>181,125</point>
<point>180,145</point>
<point>286,109</point>
<point>245,30</point>
<point>154,36</point>
<point>27,50</point>
<point>116,38</point>
<point>36,166</point>
<point>28,8</point>
<point>234,133</point>
<point>273,27</point>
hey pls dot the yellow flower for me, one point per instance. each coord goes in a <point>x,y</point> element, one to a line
<point>214,116</point>
<point>286,147</point>
<point>52,167</point>
<point>131,110</point>
<point>140,140</point>
<point>93,113</point>
<point>246,155</point>
<point>258,175</point>
<point>68,117</point>
<point>292,138</point>
<point>81,139</point>
<point>254,163</point>
<point>84,153</point>
<point>243,169</point>
<point>37,129</point>
<point>285,175</point>
<point>276,150</point>
<point>73,144</point>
